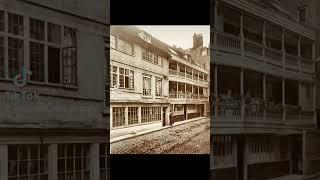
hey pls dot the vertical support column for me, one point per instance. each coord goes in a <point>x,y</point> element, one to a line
<point>215,90</point>
<point>290,154</point>
<point>167,118</point>
<point>139,115</point>
<point>94,156</point>
<point>46,69</point>
<point>241,34</point>
<point>111,117</point>
<point>245,158</point>
<point>314,83</point>
<point>126,115</point>
<point>284,113</point>
<point>299,53</point>
<point>242,94</point>
<point>6,56</point>
<point>264,39</point>
<point>185,90</point>
<point>53,161</point>
<point>3,161</point>
<point>304,153</point>
<point>283,49</point>
<point>215,24</point>
<point>177,90</point>
<point>264,95</point>
<point>26,43</point>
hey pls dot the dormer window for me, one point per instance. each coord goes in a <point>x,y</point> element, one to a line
<point>146,37</point>
<point>302,14</point>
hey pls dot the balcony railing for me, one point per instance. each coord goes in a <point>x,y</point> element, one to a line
<point>181,74</point>
<point>189,76</point>
<point>233,44</point>
<point>186,75</point>
<point>188,95</point>
<point>234,111</point>
<point>172,72</point>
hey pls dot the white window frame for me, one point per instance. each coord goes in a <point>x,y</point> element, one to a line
<point>145,91</point>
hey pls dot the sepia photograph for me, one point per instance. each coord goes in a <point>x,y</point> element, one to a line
<point>265,94</point>
<point>159,90</point>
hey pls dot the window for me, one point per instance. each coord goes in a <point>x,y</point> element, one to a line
<point>69,57</point>
<point>308,90</point>
<point>146,37</point>
<point>27,162</point>
<point>147,85</point>
<point>150,114</point>
<point>112,42</point>
<point>2,65</point>
<point>103,161</point>
<point>15,55</point>
<point>157,60</point>
<point>73,161</point>
<point>158,87</point>
<point>147,56</point>
<point>302,12</point>
<point>118,116</point>
<point>124,46</point>
<point>54,33</point>
<point>54,65</point>
<point>37,29</point>
<point>126,77</point>
<point>15,24</point>
<point>114,75</point>
<point>132,115</point>
<point>2,21</point>
<point>223,145</point>
<point>37,61</point>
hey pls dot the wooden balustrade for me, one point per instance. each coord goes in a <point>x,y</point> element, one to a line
<point>228,42</point>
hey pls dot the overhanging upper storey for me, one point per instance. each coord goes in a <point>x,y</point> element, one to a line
<point>275,15</point>
<point>248,35</point>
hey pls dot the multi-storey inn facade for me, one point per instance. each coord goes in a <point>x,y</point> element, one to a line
<point>189,81</point>
<point>52,89</point>
<point>264,92</point>
<point>153,83</point>
<point>139,81</point>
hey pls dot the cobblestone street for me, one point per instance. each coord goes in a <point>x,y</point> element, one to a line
<point>189,138</point>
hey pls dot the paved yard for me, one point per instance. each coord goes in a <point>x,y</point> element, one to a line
<point>189,138</point>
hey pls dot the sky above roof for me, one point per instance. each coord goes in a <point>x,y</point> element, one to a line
<point>180,36</point>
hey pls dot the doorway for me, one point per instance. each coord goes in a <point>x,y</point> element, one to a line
<point>296,154</point>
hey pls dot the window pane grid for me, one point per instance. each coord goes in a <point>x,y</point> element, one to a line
<point>158,86</point>
<point>16,56</point>
<point>37,61</point>
<point>126,78</point>
<point>132,115</point>
<point>73,161</point>
<point>54,33</point>
<point>2,21</point>
<point>26,161</point>
<point>2,64</point>
<point>36,29</point>
<point>69,55</point>
<point>150,114</point>
<point>15,24</point>
<point>146,85</point>
<point>118,116</point>
<point>103,160</point>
